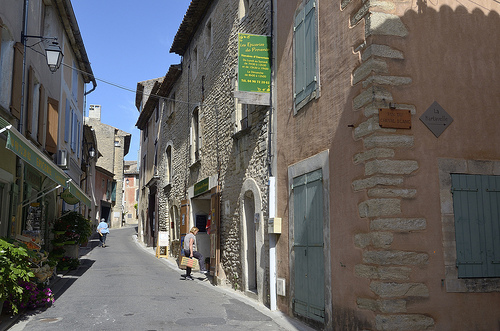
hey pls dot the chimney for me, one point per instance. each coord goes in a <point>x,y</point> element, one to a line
<point>95,112</point>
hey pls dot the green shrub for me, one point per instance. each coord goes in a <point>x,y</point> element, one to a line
<point>14,269</point>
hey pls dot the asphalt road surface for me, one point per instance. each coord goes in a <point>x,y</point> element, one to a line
<point>125,287</point>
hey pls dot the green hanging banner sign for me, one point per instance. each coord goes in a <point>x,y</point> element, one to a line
<point>254,69</point>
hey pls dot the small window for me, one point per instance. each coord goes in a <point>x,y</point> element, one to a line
<point>117,143</point>
<point>195,136</point>
<point>208,37</point>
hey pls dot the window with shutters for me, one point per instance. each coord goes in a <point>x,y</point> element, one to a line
<point>476,206</point>
<point>470,212</point>
<point>305,55</point>
<point>195,136</point>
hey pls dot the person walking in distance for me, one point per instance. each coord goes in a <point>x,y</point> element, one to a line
<point>190,251</point>
<point>103,230</point>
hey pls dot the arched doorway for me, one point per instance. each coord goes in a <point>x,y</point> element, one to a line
<point>252,234</point>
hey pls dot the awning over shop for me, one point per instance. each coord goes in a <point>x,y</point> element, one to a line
<point>18,144</point>
<point>79,194</point>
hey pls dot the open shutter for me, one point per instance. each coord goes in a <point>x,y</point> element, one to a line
<point>299,44</point>
<point>29,108</point>
<point>41,115</point>
<point>67,121</point>
<point>52,125</point>
<point>17,81</point>
<point>305,52</point>
<point>310,47</point>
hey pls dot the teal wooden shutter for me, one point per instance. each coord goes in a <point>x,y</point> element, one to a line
<point>476,205</point>
<point>113,191</point>
<point>309,269</point>
<point>305,51</point>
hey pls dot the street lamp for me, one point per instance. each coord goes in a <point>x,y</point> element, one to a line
<point>53,53</point>
<point>54,56</point>
<point>91,152</point>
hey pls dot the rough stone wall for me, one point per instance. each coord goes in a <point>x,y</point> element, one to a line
<point>240,157</point>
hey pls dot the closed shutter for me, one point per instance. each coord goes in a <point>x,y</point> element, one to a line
<point>305,52</point>
<point>52,125</point>
<point>476,205</point>
<point>309,269</point>
<point>41,115</point>
<point>17,81</point>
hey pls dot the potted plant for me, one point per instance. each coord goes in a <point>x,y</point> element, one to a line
<point>14,269</point>
<point>77,227</point>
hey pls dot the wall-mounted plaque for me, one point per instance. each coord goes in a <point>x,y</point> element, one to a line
<point>394,118</point>
<point>436,119</point>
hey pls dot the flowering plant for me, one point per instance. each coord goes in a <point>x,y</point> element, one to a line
<point>32,297</point>
<point>67,262</point>
<point>76,227</point>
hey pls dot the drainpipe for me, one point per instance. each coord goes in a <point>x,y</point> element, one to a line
<point>271,170</point>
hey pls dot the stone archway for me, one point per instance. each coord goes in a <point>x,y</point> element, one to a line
<point>252,239</point>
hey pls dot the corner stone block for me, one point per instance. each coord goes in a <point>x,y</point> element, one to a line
<point>372,94</point>
<point>398,224</point>
<point>392,193</point>
<point>379,23</point>
<point>390,167</point>
<point>404,322</point>
<point>396,290</point>
<point>365,183</point>
<point>366,68</point>
<point>379,207</point>
<point>389,141</point>
<point>382,273</point>
<point>395,258</point>
<point>376,153</point>
<point>381,51</point>
<point>376,239</point>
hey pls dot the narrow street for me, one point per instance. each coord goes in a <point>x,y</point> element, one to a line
<point>125,287</point>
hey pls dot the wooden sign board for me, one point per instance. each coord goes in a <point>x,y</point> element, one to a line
<point>162,242</point>
<point>394,118</point>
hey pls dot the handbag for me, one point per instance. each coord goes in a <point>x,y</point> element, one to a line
<point>189,262</point>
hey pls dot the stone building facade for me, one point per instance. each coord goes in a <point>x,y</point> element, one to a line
<point>113,145</point>
<point>401,230</point>
<point>213,150</point>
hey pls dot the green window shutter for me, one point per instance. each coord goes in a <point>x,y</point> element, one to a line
<point>113,191</point>
<point>476,205</point>
<point>305,51</point>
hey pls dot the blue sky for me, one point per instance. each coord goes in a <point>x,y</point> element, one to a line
<point>127,42</point>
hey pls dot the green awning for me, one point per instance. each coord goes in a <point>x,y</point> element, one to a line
<point>79,194</point>
<point>18,144</point>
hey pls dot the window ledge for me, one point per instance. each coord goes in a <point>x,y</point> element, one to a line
<point>195,164</point>
<point>237,135</point>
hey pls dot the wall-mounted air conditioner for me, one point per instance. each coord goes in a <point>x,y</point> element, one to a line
<point>62,159</point>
